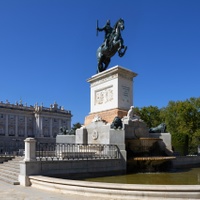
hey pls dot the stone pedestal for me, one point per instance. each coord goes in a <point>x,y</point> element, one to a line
<point>135,129</point>
<point>81,136</point>
<point>111,94</point>
<point>101,133</point>
<point>30,149</point>
<point>166,138</point>
<point>66,139</point>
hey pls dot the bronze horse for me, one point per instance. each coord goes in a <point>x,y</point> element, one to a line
<point>115,44</point>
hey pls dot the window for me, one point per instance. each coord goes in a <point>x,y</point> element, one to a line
<point>30,119</point>
<point>11,131</point>
<point>21,118</point>
<point>11,117</point>
<point>1,131</point>
<point>21,132</point>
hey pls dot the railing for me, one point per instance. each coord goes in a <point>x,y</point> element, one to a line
<point>45,152</point>
<point>12,148</point>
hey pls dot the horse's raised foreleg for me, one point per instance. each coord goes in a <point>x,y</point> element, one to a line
<point>120,52</point>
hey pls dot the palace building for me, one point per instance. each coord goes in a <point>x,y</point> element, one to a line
<point>18,121</point>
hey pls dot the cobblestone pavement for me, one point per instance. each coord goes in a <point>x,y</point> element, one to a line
<point>17,192</point>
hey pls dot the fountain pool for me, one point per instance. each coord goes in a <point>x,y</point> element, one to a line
<point>176,177</point>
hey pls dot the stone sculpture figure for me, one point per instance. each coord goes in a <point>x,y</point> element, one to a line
<point>117,123</point>
<point>113,43</point>
<point>132,116</point>
<point>97,118</point>
<point>65,131</point>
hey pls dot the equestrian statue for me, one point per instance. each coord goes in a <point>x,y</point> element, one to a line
<point>113,42</point>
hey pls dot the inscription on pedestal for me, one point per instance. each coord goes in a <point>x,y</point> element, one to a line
<point>126,93</point>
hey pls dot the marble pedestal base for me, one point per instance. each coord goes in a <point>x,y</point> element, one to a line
<point>107,115</point>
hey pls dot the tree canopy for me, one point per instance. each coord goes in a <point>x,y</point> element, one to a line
<point>151,115</point>
<point>182,119</point>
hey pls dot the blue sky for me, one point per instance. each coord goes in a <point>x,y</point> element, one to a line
<point>48,50</point>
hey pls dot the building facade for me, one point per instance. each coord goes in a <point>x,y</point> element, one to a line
<point>18,121</point>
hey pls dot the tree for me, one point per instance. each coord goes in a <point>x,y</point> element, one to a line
<point>151,115</point>
<point>182,119</point>
<point>183,122</point>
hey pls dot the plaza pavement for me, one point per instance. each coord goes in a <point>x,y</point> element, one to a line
<point>17,192</point>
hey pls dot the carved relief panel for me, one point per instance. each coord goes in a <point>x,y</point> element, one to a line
<point>104,96</point>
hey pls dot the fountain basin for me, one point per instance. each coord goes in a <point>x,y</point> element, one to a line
<point>147,155</point>
<point>150,164</point>
<point>144,147</point>
<point>154,158</point>
<point>116,191</point>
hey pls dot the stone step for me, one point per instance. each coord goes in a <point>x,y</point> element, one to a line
<point>10,164</point>
<point>19,158</point>
<point>10,168</point>
<point>5,158</point>
<point>9,176</point>
<point>8,159</point>
<point>9,180</point>
<point>9,171</point>
<point>12,161</point>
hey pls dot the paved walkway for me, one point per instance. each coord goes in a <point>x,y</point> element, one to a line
<point>17,192</point>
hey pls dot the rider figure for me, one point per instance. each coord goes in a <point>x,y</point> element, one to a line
<point>108,30</point>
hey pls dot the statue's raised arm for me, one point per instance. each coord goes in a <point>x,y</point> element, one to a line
<point>108,30</point>
<point>113,42</point>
